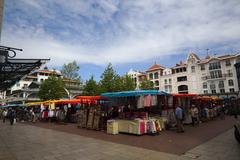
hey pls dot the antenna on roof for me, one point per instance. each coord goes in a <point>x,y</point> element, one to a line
<point>207,51</point>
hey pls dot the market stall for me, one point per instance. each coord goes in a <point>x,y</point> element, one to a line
<point>136,112</point>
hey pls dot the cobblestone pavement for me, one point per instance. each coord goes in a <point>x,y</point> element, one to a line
<point>26,142</point>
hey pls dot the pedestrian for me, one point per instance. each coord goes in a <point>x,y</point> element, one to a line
<point>12,115</point>
<point>179,117</point>
<point>4,115</point>
<point>222,112</point>
<point>194,115</point>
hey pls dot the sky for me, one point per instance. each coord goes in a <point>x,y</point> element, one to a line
<point>128,33</point>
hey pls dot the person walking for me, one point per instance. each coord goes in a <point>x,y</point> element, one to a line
<point>4,115</point>
<point>222,112</point>
<point>12,115</point>
<point>194,115</point>
<point>179,117</point>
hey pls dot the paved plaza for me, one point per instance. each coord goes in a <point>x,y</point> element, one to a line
<point>26,142</point>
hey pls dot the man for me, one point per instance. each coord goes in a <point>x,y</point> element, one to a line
<point>179,117</point>
<point>12,115</point>
<point>194,115</point>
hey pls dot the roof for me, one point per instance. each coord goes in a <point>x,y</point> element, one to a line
<point>134,93</point>
<point>222,57</point>
<point>155,67</point>
<point>49,71</point>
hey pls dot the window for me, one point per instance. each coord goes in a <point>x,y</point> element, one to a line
<point>231,90</point>
<point>229,73</point>
<point>193,69</point>
<point>25,85</point>
<point>205,91</point>
<point>212,86</point>
<point>170,81</point>
<point>227,62</point>
<point>230,82</point>
<point>166,89</point>
<point>221,84</point>
<point>156,75</point>
<point>214,91</point>
<point>18,84</point>
<point>222,90</point>
<point>180,79</point>
<point>215,65</point>
<point>151,76</point>
<point>184,69</point>
<point>216,74</point>
<point>156,83</point>
<point>170,89</point>
<point>204,84</point>
<point>202,67</point>
<point>183,89</point>
<point>165,81</point>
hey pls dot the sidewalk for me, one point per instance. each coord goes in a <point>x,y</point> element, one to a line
<point>25,142</point>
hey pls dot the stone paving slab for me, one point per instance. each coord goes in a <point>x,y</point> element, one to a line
<point>23,142</point>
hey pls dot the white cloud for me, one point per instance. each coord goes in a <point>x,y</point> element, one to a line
<point>118,31</point>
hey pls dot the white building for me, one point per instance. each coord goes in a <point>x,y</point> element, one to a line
<point>210,75</point>
<point>27,88</point>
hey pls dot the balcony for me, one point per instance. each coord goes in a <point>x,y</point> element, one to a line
<point>223,76</point>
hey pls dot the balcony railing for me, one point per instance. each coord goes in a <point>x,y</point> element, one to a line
<point>220,76</point>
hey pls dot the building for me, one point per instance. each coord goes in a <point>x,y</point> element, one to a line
<point>219,75</point>
<point>27,89</point>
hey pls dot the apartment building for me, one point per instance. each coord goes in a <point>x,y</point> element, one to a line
<point>27,89</point>
<point>209,75</point>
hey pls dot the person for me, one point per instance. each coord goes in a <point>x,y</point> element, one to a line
<point>222,112</point>
<point>4,115</point>
<point>194,115</point>
<point>12,115</point>
<point>179,117</point>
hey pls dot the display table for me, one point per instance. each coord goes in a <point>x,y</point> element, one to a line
<point>131,126</point>
<point>112,127</point>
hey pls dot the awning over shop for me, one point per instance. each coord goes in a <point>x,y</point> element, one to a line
<point>134,93</point>
<point>12,106</point>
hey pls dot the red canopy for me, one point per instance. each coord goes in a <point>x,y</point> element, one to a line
<point>184,95</point>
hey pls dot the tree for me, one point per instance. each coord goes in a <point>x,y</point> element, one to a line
<point>52,88</point>
<point>109,79</point>
<point>91,87</point>
<point>127,83</point>
<point>146,85</point>
<point>70,71</point>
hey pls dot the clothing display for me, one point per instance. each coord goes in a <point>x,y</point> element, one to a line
<point>140,102</point>
<point>147,101</point>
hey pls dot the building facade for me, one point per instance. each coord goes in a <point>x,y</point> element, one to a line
<point>209,75</point>
<point>27,89</point>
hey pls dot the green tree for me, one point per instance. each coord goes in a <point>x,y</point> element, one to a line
<point>91,87</point>
<point>52,88</point>
<point>146,85</point>
<point>70,71</point>
<point>127,83</point>
<point>109,79</point>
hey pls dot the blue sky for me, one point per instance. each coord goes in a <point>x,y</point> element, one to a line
<point>127,33</point>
